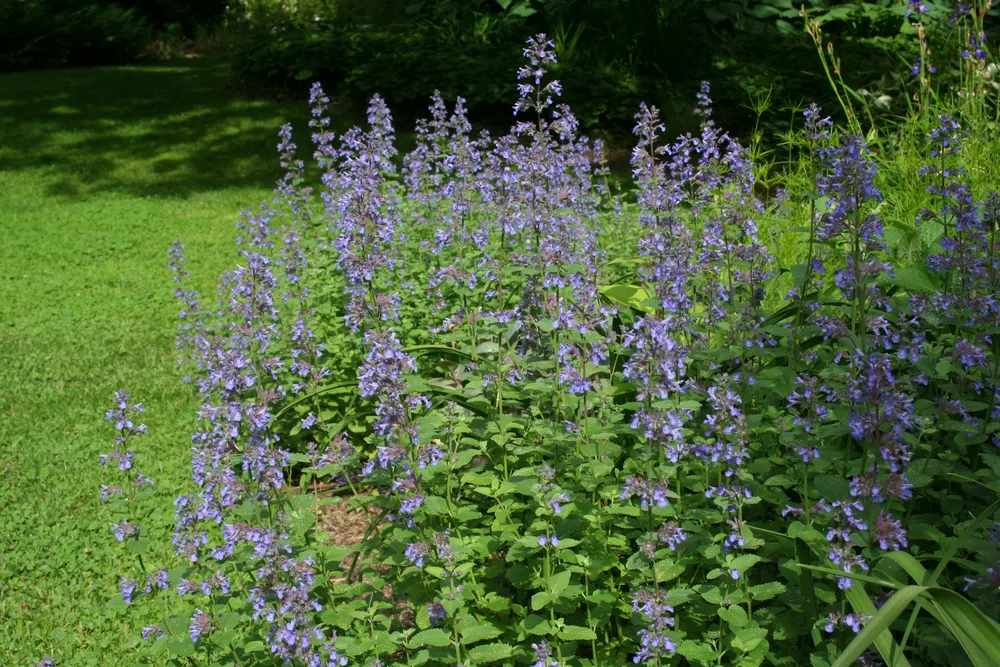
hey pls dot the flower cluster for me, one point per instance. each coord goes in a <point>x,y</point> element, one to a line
<point>561,458</point>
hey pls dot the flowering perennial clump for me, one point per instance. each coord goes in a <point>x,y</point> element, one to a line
<point>587,429</point>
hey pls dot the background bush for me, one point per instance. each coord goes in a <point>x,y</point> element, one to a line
<point>75,33</point>
<point>612,54</point>
<point>59,33</point>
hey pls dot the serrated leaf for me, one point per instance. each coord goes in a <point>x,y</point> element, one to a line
<point>536,625</point>
<point>431,637</point>
<point>734,615</point>
<point>478,632</point>
<point>743,563</point>
<point>184,648</point>
<point>913,280</point>
<point>576,633</point>
<point>540,599</point>
<point>489,653</point>
<point>667,571</point>
<point>767,591</point>
<point>748,639</point>
<point>435,505</point>
<point>698,652</point>
<point>558,582</point>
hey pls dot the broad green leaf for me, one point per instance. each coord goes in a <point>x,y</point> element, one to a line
<point>696,652</point>
<point>558,582</point>
<point>536,625</point>
<point>913,280</point>
<point>432,637</point>
<point>478,632</point>
<point>630,296</point>
<point>576,633</point>
<point>183,647</point>
<point>484,653</point>
<point>767,591</point>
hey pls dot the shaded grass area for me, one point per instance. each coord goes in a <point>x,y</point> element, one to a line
<point>100,170</point>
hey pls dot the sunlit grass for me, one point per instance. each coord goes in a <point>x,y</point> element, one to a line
<point>101,170</point>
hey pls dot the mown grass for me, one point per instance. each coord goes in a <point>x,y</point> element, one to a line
<point>100,170</point>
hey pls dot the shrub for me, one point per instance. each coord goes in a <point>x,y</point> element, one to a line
<point>37,33</point>
<point>280,59</point>
<point>583,427</point>
<point>187,13</point>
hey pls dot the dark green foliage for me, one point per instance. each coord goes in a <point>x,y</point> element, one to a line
<point>187,13</point>
<point>612,54</point>
<point>58,33</point>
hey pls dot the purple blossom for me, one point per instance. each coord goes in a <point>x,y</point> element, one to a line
<point>416,552</point>
<point>649,492</point>
<point>855,621</point>
<point>201,624</point>
<point>672,534</point>
<point>550,540</point>
<point>976,47</point>
<point>556,502</point>
<point>889,533</point>
<point>308,422</point>
<point>543,655</point>
<point>436,613</point>
<point>124,530</point>
<point>653,641</point>
<point>128,588</point>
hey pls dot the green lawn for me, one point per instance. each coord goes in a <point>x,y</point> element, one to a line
<point>100,170</point>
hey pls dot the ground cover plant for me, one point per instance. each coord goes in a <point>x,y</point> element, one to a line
<point>590,427</point>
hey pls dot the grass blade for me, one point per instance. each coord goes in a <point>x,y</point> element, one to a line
<point>879,623</point>
<point>887,647</point>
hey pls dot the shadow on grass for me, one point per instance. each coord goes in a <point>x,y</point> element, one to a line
<point>154,131</point>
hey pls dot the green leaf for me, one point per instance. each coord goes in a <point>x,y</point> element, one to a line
<point>443,352</point>
<point>630,296</point>
<point>540,599</point>
<point>978,635</point>
<point>138,547</point>
<point>767,591</point>
<point>957,541</point>
<point>435,506</point>
<point>666,570</point>
<point>223,639</point>
<point>489,653</point>
<point>734,615</point>
<point>748,639</point>
<point>913,280</point>
<point>432,637</point>
<point>884,642</point>
<point>184,648</point>
<point>695,652</point>
<point>336,387</point>
<point>850,575</point>
<point>558,582</point>
<point>536,625</point>
<point>478,632</point>
<point>833,487</point>
<point>744,562</point>
<point>576,633</point>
